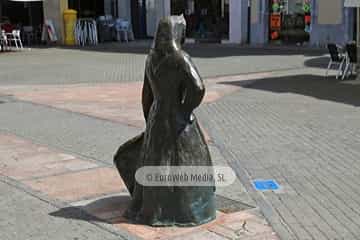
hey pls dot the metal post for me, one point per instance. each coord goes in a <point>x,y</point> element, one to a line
<point>358,26</point>
<point>358,42</point>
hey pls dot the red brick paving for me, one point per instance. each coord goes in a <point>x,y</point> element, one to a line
<point>79,185</point>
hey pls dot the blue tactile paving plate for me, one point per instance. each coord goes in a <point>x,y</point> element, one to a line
<point>266,185</point>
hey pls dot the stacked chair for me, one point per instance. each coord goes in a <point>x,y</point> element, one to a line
<point>350,60</point>
<point>336,58</point>
<point>10,38</point>
<point>344,57</point>
<point>86,32</point>
<point>14,39</point>
<point>4,44</point>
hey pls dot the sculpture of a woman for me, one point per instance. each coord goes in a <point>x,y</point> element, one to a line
<point>172,89</point>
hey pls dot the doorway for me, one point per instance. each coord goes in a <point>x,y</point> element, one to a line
<point>138,18</point>
<point>207,20</point>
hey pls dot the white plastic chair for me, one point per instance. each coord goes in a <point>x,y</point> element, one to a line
<point>14,37</point>
<point>86,32</point>
<point>336,58</point>
<point>3,41</point>
<point>122,28</point>
<point>351,60</point>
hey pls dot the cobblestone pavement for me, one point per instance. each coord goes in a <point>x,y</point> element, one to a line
<point>287,123</point>
<point>119,63</point>
<point>302,131</point>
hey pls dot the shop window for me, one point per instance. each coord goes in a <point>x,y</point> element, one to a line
<point>290,21</point>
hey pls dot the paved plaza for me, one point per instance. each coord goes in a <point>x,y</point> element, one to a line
<point>268,113</point>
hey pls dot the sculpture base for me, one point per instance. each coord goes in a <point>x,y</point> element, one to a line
<point>226,226</point>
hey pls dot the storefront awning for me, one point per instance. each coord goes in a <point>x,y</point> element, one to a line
<point>352,3</point>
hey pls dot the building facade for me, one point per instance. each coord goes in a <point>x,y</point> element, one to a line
<point>314,22</point>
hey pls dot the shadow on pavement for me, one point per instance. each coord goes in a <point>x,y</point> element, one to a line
<point>318,87</point>
<point>319,62</point>
<point>76,213</point>
<point>106,210</point>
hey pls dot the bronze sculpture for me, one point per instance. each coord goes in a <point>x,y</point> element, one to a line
<point>172,89</point>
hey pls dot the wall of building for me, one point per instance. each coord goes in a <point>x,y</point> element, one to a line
<point>259,21</point>
<point>331,22</point>
<point>238,29</point>
<point>124,9</point>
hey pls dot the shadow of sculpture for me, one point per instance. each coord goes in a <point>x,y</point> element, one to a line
<point>106,210</point>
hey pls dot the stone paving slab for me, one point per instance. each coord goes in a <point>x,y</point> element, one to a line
<point>93,187</point>
<point>76,134</point>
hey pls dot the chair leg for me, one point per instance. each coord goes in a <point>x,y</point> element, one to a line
<point>16,45</point>
<point>346,70</point>
<point>327,70</point>
<point>352,69</point>
<point>340,70</point>
<point>21,45</point>
<point>126,36</point>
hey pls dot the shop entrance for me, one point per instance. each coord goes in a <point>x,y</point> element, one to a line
<point>207,20</point>
<point>290,21</point>
<point>21,13</point>
<point>24,16</point>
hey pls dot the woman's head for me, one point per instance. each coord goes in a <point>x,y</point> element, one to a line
<point>170,33</point>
